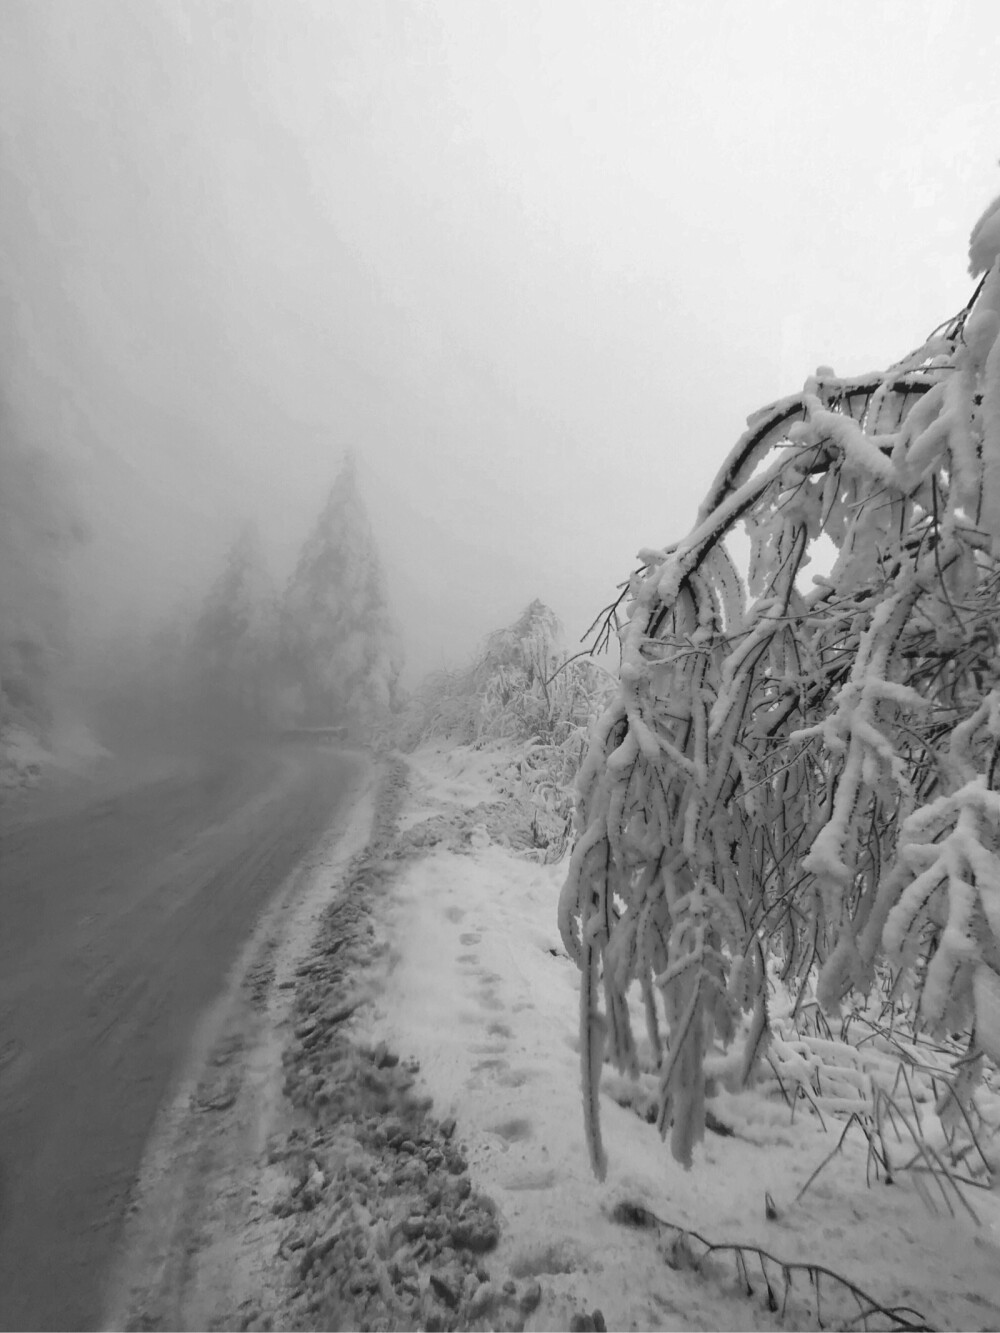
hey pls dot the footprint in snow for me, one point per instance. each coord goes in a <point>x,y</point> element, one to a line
<point>542,1179</point>
<point>470,937</point>
<point>515,1078</point>
<point>492,1069</point>
<point>498,1071</point>
<point>515,1130</point>
<point>561,1257</point>
<point>493,1063</point>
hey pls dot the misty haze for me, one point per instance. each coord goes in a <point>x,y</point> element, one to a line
<point>499,665</point>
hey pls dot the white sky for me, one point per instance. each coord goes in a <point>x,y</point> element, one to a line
<point>535,263</point>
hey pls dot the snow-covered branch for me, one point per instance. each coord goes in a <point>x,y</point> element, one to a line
<point>807,771</point>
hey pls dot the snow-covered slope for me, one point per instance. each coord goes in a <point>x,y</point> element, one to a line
<point>479,990</point>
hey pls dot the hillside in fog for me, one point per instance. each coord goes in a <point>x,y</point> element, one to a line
<point>527,271</point>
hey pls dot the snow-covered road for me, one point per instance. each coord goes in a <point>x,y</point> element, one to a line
<point>124,901</point>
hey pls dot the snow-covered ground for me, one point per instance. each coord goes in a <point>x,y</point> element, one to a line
<point>24,759</point>
<point>480,991</point>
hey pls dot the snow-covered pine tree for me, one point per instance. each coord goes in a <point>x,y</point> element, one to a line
<point>341,654</point>
<point>232,647</point>
<point>801,770</point>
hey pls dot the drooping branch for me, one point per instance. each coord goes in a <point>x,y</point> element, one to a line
<point>778,1274</point>
<point>808,771</point>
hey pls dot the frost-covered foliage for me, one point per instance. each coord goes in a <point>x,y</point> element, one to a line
<point>521,691</point>
<point>521,687</point>
<point>524,689</point>
<point>232,649</point>
<point>800,770</point>
<point>340,652</point>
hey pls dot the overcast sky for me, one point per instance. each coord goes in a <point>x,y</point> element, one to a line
<point>534,263</point>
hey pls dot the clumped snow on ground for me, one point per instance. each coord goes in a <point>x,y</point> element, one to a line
<point>479,995</point>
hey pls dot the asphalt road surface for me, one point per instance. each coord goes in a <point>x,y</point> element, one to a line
<point>123,901</point>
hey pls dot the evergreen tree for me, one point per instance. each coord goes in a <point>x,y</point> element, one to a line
<point>340,653</point>
<point>807,774</point>
<point>232,652</point>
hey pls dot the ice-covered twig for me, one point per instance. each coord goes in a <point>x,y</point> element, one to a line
<point>901,1317</point>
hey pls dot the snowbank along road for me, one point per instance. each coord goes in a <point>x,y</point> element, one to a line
<point>122,904</point>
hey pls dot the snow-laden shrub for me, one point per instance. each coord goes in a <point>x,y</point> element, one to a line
<point>807,772</point>
<point>522,693</point>
<point>526,689</point>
